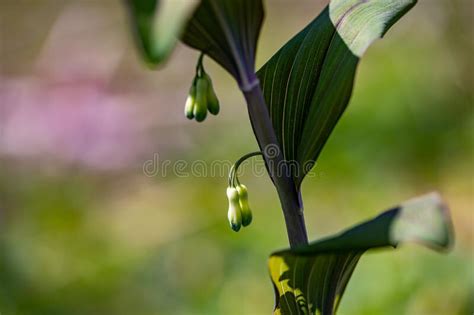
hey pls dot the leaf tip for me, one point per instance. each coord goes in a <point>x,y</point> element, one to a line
<point>425,219</point>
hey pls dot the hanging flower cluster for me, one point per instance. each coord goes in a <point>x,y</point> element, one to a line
<point>239,213</point>
<point>201,97</point>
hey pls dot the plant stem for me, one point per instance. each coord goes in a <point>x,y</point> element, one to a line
<point>290,200</point>
<point>233,171</point>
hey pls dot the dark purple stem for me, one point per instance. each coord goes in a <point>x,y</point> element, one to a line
<point>277,166</point>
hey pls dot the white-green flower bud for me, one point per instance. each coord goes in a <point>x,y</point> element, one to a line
<point>212,101</point>
<point>234,213</point>
<point>244,205</point>
<point>190,102</point>
<point>200,107</point>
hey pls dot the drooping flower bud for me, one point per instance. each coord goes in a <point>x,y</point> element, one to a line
<point>200,107</point>
<point>234,213</point>
<point>244,204</point>
<point>212,101</point>
<point>190,102</point>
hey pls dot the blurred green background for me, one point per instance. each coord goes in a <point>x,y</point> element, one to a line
<point>83,230</point>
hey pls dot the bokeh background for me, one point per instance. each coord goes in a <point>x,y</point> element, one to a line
<point>84,231</point>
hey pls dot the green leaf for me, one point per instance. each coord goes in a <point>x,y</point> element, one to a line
<point>307,84</point>
<point>158,24</point>
<point>227,31</point>
<point>311,279</point>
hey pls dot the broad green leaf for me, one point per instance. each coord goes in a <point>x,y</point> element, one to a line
<point>158,24</point>
<point>227,31</point>
<point>307,84</point>
<point>311,279</point>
